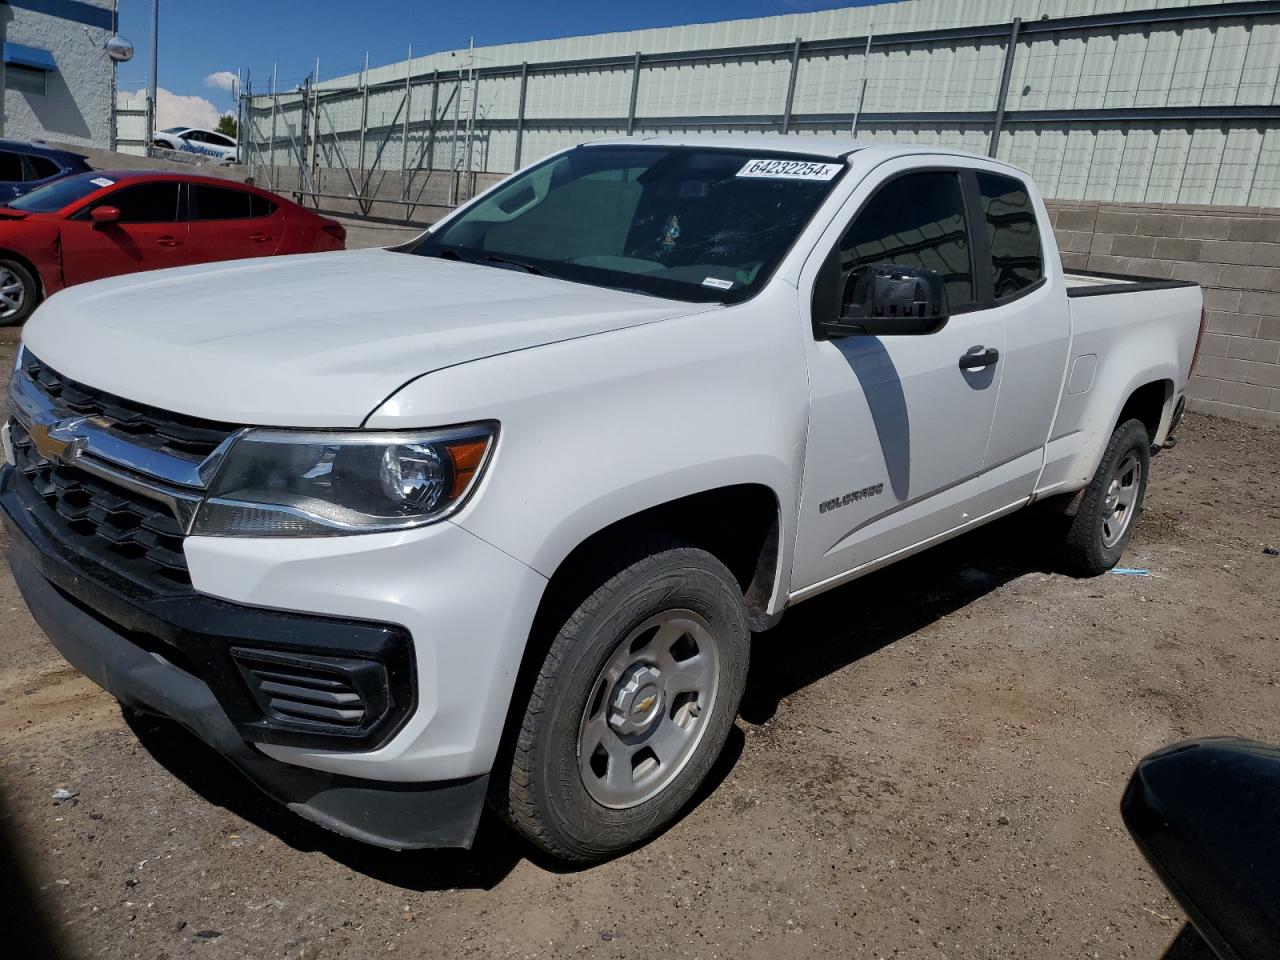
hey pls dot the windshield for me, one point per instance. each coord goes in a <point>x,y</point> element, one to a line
<point>681,222</point>
<point>59,194</point>
<point>174,129</point>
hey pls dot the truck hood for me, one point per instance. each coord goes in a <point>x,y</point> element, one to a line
<point>311,340</point>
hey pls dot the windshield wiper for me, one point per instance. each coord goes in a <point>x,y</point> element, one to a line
<point>519,264</point>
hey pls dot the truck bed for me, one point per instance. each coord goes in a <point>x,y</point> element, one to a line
<point>1089,284</point>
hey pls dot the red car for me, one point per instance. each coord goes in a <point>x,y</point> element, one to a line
<point>104,223</point>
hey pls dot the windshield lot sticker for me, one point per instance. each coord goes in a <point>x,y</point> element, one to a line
<point>789,169</point>
<point>102,182</point>
<point>718,283</point>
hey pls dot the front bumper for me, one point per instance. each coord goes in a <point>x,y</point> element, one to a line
<point>129,646</point>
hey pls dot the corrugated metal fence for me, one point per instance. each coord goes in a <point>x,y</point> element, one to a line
<point>1171,105</point>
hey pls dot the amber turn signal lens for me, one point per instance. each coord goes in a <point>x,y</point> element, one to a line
<point>467,455</point>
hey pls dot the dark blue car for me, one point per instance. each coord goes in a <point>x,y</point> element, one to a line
<point>25,166</point>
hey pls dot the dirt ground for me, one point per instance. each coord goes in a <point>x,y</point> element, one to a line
<point>928,764</point>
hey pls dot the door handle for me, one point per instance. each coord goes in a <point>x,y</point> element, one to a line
<point>978,357</point>
<point>169,242</point>
<point>259,237</point>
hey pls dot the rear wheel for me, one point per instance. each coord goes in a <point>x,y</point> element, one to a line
<point>19,293</point>
<point>631,706</point>
<point>1109,509</point>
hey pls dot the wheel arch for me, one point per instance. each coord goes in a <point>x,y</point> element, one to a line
<point>739,524</point>
<point>8,254</point>
<point>1151,403</point>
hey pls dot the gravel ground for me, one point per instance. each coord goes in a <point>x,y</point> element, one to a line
<point>928,765</point>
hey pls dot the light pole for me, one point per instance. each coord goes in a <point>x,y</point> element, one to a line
<point>151,82</point>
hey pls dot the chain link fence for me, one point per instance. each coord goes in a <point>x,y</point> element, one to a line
<point>1174,105</point>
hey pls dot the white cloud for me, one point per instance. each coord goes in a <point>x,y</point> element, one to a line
<point>222,80</point>
<point>175,110</point>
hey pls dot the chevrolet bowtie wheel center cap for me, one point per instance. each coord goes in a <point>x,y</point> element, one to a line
<point>636,699</point>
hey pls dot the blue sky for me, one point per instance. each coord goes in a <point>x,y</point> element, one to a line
<point>199,38</point>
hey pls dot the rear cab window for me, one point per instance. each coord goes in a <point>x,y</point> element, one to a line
<point>1013,233</point>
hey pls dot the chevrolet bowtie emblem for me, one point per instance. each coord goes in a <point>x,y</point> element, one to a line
<point>60,441</point>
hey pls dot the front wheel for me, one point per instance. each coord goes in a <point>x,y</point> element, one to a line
<point>632,706</point>
<point>19,293</point>
<point>1109,509</point>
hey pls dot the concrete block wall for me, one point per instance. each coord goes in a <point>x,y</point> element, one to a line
<point>1232,252</point>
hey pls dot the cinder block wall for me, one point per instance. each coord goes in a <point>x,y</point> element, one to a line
<point>1232,252</point>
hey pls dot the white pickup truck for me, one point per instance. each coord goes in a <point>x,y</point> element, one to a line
<point>491,516</point>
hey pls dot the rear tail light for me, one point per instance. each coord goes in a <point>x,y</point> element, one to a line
<point>337,231</point>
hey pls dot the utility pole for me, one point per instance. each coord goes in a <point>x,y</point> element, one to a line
<point>151,82</point>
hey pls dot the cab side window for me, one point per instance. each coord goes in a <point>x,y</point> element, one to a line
<point>145,203</point>
<point>916,220</point>
<point>1017,259</point>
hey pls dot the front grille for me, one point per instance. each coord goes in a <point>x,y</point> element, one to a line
<point>128,533</point>
<point>190,438</point>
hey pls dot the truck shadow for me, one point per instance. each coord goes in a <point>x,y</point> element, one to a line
<point>1188,945</point>
<point>832,631</point>
<point>496,851</point>
<point>32,929</point>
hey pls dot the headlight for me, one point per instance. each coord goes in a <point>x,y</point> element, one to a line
<point>279,483</point>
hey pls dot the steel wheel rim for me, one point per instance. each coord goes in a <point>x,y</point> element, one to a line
<point>1121,501</point>
<point>13,293</point>
<point>630,748</point>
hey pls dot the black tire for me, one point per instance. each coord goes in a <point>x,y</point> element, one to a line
<point>1087,551</point>
<point>30,292</point>
<point>547,798</point>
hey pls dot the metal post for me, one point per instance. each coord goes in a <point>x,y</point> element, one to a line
<point>791,87</point>
<point>435,101</point>
<point>240,151</point>
<point>364,123</point>
<point>471,126</point>
<point>453,144</point>
<point>275,105</point>
<point>1010,52</point>
<point>313,153</point>
<point>524,89</point>
<point>862,84</point>
<point>404,136</point>
<point>115,97</point>
<point>151,81</point>
<point>635,94</point>
<point>300,148</point>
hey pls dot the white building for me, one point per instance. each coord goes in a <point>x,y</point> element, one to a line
<point>57,82</point>
<point>1171,101</point>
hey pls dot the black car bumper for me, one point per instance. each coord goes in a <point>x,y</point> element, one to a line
<point>168,656</point>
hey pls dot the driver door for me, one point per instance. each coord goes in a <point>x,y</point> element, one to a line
<point>899,427</point>
<point>148,236</point>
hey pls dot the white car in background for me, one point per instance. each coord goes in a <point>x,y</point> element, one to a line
<point>207,143</point>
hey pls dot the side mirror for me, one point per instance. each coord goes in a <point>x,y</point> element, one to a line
<point>881,299</point>
<point>105,214</point>
<point>1206,815</point>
